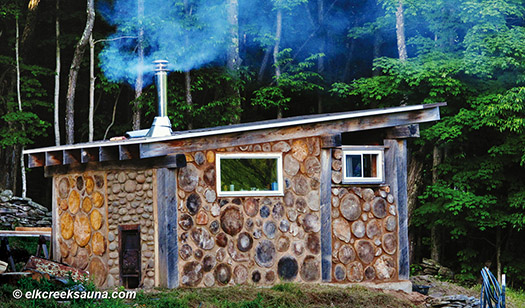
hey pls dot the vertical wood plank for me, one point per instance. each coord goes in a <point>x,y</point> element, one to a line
<point>396,177</point>
<point>167,227</point>
<point>156,229</point>
<point>326,219</point>
<point>55,247</point>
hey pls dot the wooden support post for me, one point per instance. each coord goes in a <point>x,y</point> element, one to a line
<point>167,228</point>
<point>326,219</point>
<point>396,177</point>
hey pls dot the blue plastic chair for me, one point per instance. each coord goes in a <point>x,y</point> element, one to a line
<point>492,295</point>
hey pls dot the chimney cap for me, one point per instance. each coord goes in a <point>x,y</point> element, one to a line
<point>161,65</point>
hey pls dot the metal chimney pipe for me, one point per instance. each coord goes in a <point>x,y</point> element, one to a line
<point>161,126</point>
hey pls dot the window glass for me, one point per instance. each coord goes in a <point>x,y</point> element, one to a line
<point>249,174</point>
<point>353,165</point>
<point>363,166</point>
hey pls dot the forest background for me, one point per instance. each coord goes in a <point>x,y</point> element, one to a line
<point>79,71</point>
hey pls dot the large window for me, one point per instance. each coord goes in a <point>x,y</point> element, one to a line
<point>249,174</point>
<point>363,165</point>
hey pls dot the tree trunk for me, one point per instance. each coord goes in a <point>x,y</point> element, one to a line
<point>278,30</point>
<point>233,60</point>
<point>435,234</point>
<point>73,72</point>
<point>498,253</point>
<point>91,87</point>
<point>400,32</point>
<point>139,83</point>
<point>322,49</point>
<point>19,98</point>
<point>57,77</point>
<point>29,28</point>
<point>189,98</point>
<point>264,64</point>
<point>414,181</point>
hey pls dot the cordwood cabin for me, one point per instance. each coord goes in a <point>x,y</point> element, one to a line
<point>319,198</point>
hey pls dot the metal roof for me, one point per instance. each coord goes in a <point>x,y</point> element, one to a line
<point>129,145</point>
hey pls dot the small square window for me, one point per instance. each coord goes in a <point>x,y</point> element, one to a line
<point>363,166</point>
<point>249,174</point>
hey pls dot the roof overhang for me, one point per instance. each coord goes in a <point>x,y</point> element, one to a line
<point>232,135</point>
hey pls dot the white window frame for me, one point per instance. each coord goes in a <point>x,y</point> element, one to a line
<point>379,151</point>
<point>280,178</point>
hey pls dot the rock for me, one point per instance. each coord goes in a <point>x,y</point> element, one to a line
<point>365,251</point>
<point>283,243</point>
<point>82,230</point>
<point>188,177</point>
<point>129,186</point>
<point>210,195</point>
<point>284,226</point>
<point>358,229</point>
<point>214,227</point>
<point>287,268</point>
<point>385,267</point>
<point>355,272</point>
<point>270,276</point>
<point>370,273</point>
<point>208,263</point>
<point>201,218</point>
<point>339,272</point>
<point>390,198</point>
<point>278,211</point>
<point>350,207</point>
<point>251,207</point>
<point>298,248</point>
<point>202,238</point>
<point>221,239</point>
<point>341,229</point>
<point>185,222</point>
<point>310,269</point>
<point>193,203</point>
<point>265,211</point>
<point>215,210</point>
<point>379,207</point>
<point>265,253</point>
<point>244,241</point>
<point>200,158</point>
<point>256,276</point>
<point>185,252</point>
<point>191,274</point>
<point>232,220</point>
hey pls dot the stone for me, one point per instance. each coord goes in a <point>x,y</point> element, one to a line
<point>287,268</point>
<point>392,210</point>
<point>66,226</point>
<point>300,185</point>
<point>188,177</point>
<point>193,203</point>
<point>112,246</point>
<point>97,271</point>
<point>223,273</point>
<point>313,243</point>
<point>341,229</point>
<point>389,243</point>
<point>291,165</point>
<point>289,198</point>
<point>299,149</point>
<point>294,229</point>
<point>208,263</point>
<point>96,219</point>
<point>240,274</point>
<point>82,230</point>
<point>256,276</point>
<point>314,201</point>
<point>390,198</point>
<point>265,211</point>
<point>346,254</point>
<point>311,223</point>
<point>191,274</point>
<point>210,195</point>
<point>350,207</point>
<point>298,248</point>
<point>201,218</point>
<point>200,158</point>
<point>310,269</point>
<point>202,238</point>
<point>385,267</point>
<point>244,241</point>
<point>281,146</point>
<point>373,228</point>
<point>270,276</point>
<point>129,186</point>
<point>121,177</point>
<point>354,272</point>
<point>278,211</point>
<point>365,251</point>
<point>379,207</point>
<point>232,220</point>
<point>209,280</point>
<point>90,185</point>
<point>251,207</point>
<point>111,236</point>
<point>249,224</point>
<point>265,253</point>
<point>221,239</point>
<point>370,273</point>
<point>284,226</point>
<point>74,202</point>
<point>185,222</point>
<point>214,227</point>
<point>390,223</point>
<point>215,210</point>
<point>358,229</point>
<point>269,229</point>
<point>113,255</point>
<point>98,244</point>
<point>283,243</point>
<point>339,272</point>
